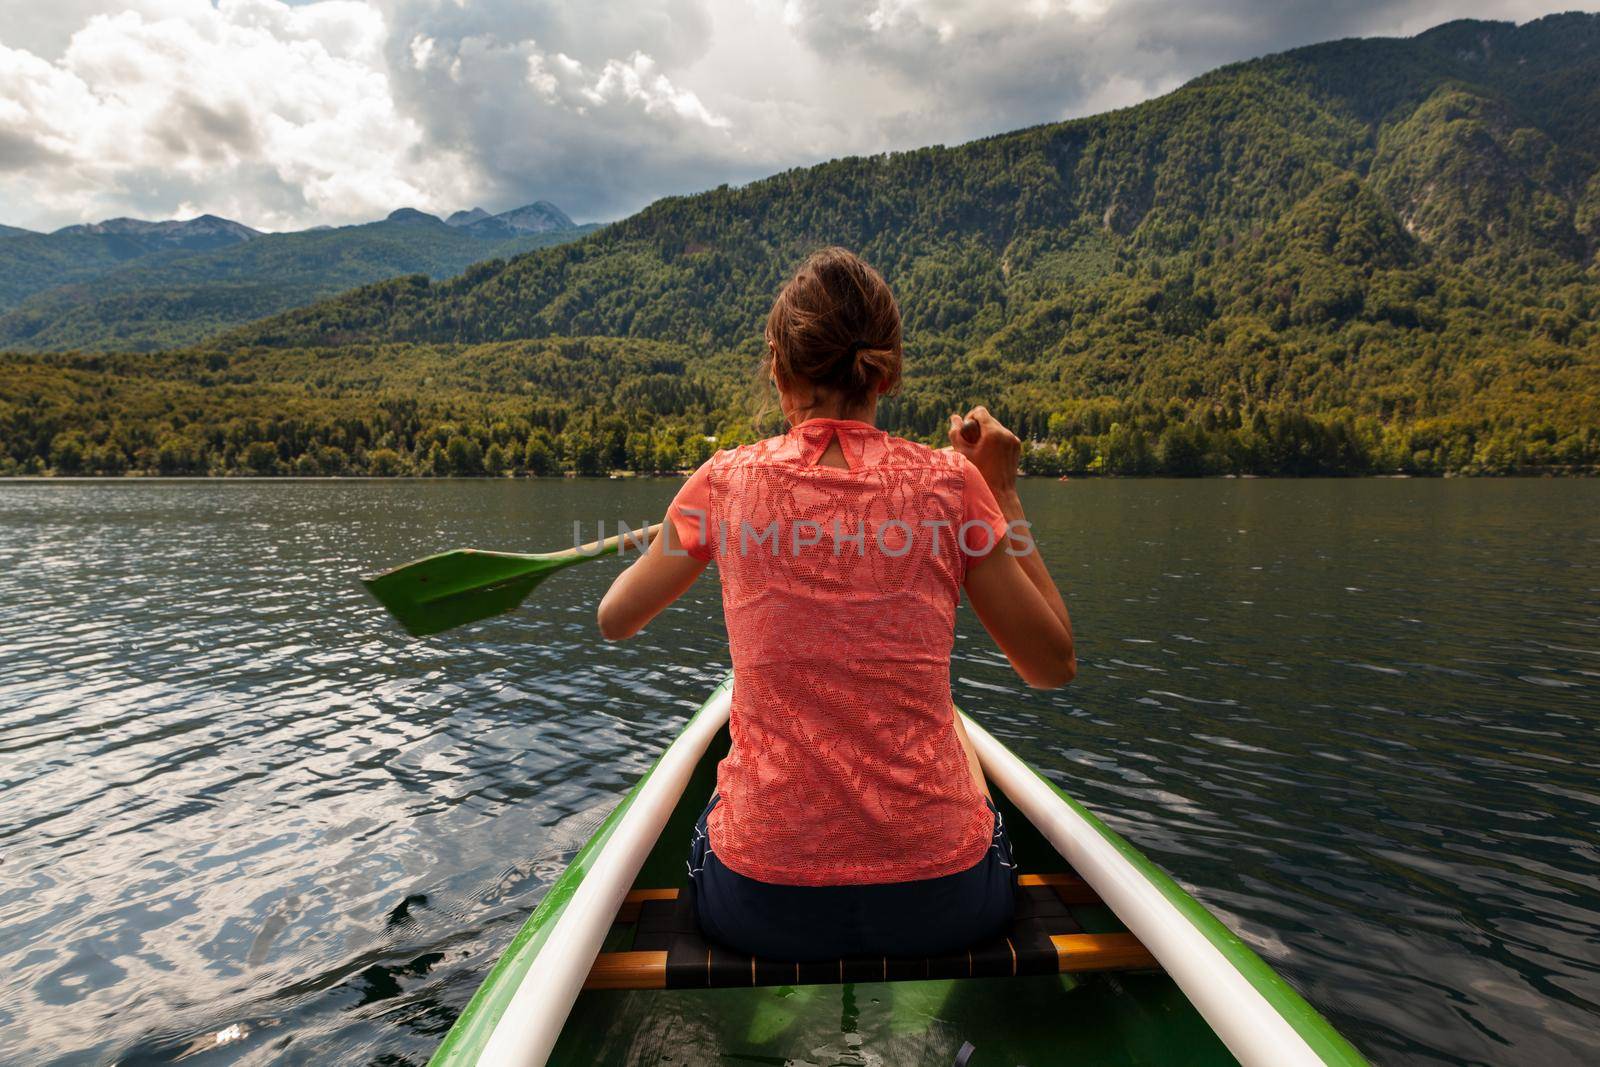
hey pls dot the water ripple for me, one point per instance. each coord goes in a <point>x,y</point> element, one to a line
<point>243,817</point>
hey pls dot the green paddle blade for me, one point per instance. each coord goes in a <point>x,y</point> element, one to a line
<point>461,586</point>
<point>464,585</point>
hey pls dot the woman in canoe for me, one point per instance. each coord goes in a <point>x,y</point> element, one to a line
<point>851,816</point>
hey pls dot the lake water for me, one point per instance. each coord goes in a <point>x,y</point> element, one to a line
<point>245,820</point>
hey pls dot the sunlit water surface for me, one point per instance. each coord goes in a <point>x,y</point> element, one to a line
<point>245,820</point>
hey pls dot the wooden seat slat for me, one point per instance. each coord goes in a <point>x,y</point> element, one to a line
<point>629,912</point>
<point>1046,940</point>
<point>1101,952</point>
<point>1069,887</point>
<point>628,970</point>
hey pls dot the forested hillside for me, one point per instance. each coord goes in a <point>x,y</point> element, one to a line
<point>110,286</point>
<point>1362,256</point>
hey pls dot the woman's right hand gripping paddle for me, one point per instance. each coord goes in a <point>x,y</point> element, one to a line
<point>1015,598</point>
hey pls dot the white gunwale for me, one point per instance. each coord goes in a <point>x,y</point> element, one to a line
<point>532,1021</point>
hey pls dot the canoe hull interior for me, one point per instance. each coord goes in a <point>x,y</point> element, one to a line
<point>1102,1018</point>
<point>583,981</point>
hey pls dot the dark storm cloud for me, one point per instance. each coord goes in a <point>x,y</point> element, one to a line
<point>338,110</point>
<point>872,76</point>
<point>18,152</point>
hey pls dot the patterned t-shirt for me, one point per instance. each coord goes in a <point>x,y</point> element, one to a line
<point>840,587</point>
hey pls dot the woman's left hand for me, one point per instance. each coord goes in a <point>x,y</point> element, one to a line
<point>995,452</point>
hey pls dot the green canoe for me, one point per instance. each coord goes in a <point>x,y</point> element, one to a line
<point>1111,961</point>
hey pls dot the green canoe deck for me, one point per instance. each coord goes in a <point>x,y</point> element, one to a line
<point>1103,1018</point>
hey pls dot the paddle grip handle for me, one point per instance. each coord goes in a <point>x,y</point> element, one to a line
<point>971,431</point>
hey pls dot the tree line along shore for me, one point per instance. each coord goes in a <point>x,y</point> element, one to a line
<point>594,406</point>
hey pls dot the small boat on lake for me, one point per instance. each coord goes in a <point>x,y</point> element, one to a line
<point>1109,960</point>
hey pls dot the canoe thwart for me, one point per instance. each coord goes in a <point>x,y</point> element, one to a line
<point>669,952</point>
<point>629,912</point>
<point>1068,887</point>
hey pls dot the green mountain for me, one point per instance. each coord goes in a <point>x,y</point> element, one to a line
<point>140,286</point>
<point>1368,255</point>
<point>191,235</point>
<point>13,231</point>
<point>34,262</point>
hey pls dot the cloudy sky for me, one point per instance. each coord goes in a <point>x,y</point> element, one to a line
<point>285,115</point>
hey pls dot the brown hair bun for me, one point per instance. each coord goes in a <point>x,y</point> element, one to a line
<point>836,327</point>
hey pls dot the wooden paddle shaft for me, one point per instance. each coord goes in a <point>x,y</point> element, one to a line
<point>619,543</point>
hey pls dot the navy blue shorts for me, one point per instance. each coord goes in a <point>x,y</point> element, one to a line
<point>801,922</point>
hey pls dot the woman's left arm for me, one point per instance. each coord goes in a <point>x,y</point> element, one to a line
<point>643,591</point>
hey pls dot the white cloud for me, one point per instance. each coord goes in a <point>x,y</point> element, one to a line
<point>341,110</point>
<point>421,51</point>
<point>565,83</point>
<point>638,81</point>
<point>278,115</point>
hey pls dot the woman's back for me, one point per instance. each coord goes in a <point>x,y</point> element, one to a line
<point>851,817</point>
<point>840,588</point>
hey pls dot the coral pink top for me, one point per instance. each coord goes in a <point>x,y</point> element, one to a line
<point>840,590</point>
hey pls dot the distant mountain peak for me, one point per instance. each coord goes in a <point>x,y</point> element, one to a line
<point>410,214</point>
<point>537,217</point>
<point>541,216</point>
<point>177,228</point>
<point>137,236</point>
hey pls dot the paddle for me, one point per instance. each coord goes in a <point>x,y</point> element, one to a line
<point>451,589</point>
<point>464,585</point>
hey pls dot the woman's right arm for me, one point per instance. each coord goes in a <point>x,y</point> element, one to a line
<point>667,569</point>
<point>1015,598</point>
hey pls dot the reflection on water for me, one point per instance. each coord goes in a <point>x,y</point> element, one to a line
<point>245,820</point>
